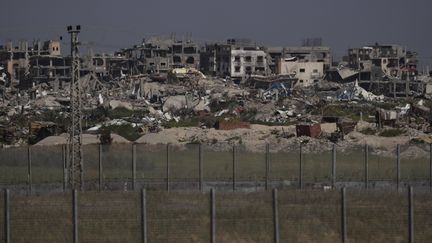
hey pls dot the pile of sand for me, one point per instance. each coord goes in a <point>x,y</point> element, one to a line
<point>87,139</point>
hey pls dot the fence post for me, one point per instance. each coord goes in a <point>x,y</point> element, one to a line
<point>6,216</point>
<point>200,167</point>
<point>334,166</point>
<point>430,167</point>
<point>100,168</point>
<point>143,215</point>
<point>29,170</point>
<point>133,166</point>
<point>411,214</point>
<point>64,158</point>
<point>234,167</point>
<point>267,160</point>
<point>366,150</point>
<point>75,215</point>
<point>301,168</point>
<point>275,216</point>
<point>212,216</point>
<point>167,167</point>
<point>343,215</point>
<point>398,166</point>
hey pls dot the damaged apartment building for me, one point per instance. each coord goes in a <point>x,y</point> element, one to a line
<point>306,64</point>
<point>383,69</point>
<point>159,55</point>
<point>237,59</point>
<point>40,62</point>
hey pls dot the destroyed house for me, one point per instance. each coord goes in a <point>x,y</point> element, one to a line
<point>159,55</point>
<point>38,62</point>
<point>310,54</point>
<point>386,69</point>
<point>238,59</point>
<point>307,73</point>
<point>377,61</point>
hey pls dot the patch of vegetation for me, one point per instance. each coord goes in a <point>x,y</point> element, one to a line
<point>126,131</point>
<point>120,112</point>
<point>269,123</point>
<point>187,122</point>
<point>105,136</point>
<point>217,105</point>
<point>392,132</point>
<point>248,115</point>
<point>368,131</point>
<point>95,116</point>
<point>341,111</point>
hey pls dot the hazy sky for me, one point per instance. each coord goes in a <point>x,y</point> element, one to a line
<point>112,24</point>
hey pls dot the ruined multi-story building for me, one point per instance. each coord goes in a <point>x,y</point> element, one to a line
<point>378,61</point>
<point>39,62</point>
<point>306,73</point>
<point>303,54</point>
<point>386,69</point>
<point>159,55</point>
<point>306,64</point>
<point>238,59</point>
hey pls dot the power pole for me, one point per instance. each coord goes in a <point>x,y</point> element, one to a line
<point>75,132</point>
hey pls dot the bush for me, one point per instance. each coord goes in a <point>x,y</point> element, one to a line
<point>393,132</point>
<point>126,131</point>
<point>368,131</point>
<point>105,136</point>
<point>120,112</point>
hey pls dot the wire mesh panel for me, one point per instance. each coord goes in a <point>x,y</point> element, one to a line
<point>47,167</point>
<point>2,216</point>
<point>117,166</point>
<point>91,166</point>
<point>13,166</point>
<point>251,167</point>
<point>309,216</point>
<point>151,165</point>
<point>317,164</point>
<point>178,217</point>
<point>244,217</point>
<point>378,216</point>
<point>217,164</point>
<point>350,164</point>
<point>184,166</point>
<point>46,218</point>
<point>284,167</point>
<point>382,165</point>
<point>422,217</point>
<point>415,162</point>
<point>109,217</point>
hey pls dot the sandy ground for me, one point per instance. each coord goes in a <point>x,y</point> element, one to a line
<point>280,138</point>
<point>87,139</point>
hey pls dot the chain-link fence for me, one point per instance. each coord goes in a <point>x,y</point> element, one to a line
<point>244,217</point>
<point>199,167</point>
<point>158,216</point>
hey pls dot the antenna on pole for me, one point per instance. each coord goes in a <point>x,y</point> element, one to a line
<point>75,133</point>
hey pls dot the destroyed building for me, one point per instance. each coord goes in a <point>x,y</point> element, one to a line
<point>238,59</point>
<point>302,53</point>
<point>386,69</point>
<point>307,73</point>
<point>159,55</point>
<point>39,62</point>
<point>376,61</point>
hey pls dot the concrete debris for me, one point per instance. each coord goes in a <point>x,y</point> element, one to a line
<point>355,92</point>
<point>120,104</point>
<point>171,91</point>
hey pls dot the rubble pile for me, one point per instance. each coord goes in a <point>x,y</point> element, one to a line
<point>168,90</point>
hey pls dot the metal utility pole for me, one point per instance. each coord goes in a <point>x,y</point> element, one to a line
<point>75,132</point>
